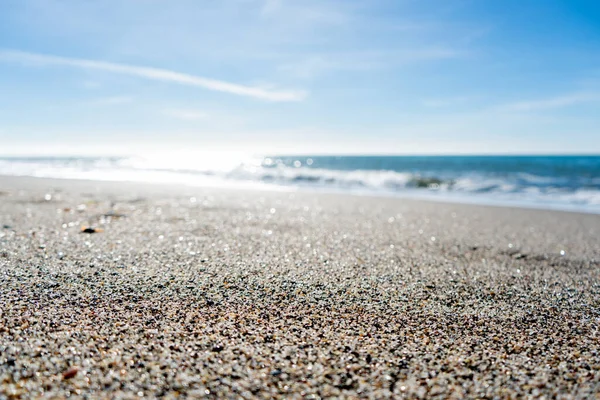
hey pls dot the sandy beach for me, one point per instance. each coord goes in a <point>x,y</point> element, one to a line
<point>213,293</point>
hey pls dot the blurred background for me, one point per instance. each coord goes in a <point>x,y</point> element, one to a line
<point>324,95</point>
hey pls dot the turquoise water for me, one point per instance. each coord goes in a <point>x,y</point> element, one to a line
<point>566,182</point>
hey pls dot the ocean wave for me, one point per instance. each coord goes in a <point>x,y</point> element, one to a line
<point>580,191</point>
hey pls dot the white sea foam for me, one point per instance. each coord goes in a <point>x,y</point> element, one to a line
<point>216,170</point>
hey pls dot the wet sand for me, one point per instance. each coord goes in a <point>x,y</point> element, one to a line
<point>236,294</point>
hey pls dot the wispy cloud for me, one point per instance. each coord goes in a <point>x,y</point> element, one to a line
<point>269,7</point>
<point>426,54</point>
<point>310,13</point>
<point>317,64</point>
<point>185,114</point>
<point>552,102</point>
<point>313,66</point>
<point>446,101</point>
<point>91,85</point>
<point>155,74</point>
<point>113,100</point>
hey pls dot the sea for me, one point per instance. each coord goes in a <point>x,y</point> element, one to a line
<point>568,182</point>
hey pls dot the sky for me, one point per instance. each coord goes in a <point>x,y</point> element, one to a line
<point>300,76</point>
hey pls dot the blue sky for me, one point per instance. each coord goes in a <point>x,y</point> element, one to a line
<point>300,76</point>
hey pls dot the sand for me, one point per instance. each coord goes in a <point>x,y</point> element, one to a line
<point>205,293</point>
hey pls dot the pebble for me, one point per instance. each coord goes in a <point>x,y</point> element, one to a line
<point>70,373</point>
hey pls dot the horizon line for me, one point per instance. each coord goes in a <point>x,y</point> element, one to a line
<point>307,155</point>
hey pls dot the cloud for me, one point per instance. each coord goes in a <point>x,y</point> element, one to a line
<point>314,65</point>
<point>311,67</point>
<point>427,54</point>
<point>443,102</point>
<point>186,115</point>
<point>552,102</point>
<point>155,74</point>
<point>91,85</point>
<point>270,6</point>
<point>114,100</point>
<point>309,13</point>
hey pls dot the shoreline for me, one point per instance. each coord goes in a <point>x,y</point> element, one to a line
<point>410,196</point>
<point>217,293</point>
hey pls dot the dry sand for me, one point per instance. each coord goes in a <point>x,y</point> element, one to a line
<point>191,292</point>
